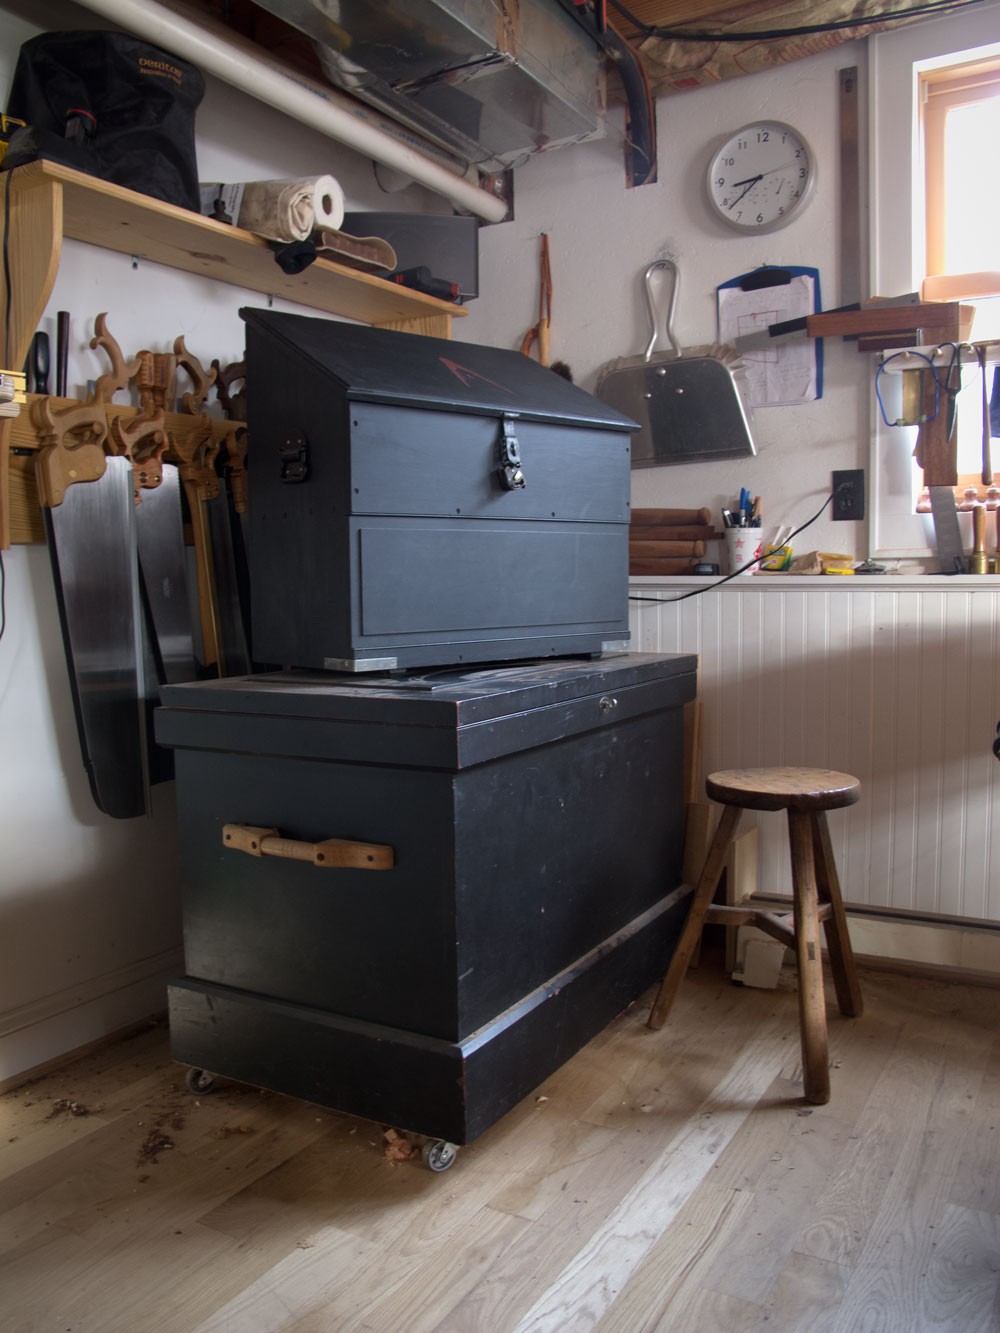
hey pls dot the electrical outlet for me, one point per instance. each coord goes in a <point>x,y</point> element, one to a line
<point>849,494</point>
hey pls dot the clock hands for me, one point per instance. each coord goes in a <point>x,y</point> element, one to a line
<point>749,183</point>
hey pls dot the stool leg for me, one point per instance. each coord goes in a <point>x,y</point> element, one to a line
<point>701,900</point>
<point>838,941</point>
<point>812,1001</point>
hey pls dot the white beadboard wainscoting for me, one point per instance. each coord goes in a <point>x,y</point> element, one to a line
<point>895,679</point>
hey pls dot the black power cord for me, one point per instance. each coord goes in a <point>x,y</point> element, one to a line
<point>696,592</point>
<point>641,135</point>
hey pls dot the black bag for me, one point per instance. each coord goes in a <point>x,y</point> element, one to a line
<point>111,105</point>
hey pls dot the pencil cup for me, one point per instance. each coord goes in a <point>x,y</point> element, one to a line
<point>742,545</point>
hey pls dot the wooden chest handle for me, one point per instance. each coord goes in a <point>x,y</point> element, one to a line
<point>335,853</point>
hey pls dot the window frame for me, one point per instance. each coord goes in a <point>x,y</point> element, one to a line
<point>940,91</point>
<point>896,60</point>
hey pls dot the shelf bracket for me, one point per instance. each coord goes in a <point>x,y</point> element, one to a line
<point>32,238</point>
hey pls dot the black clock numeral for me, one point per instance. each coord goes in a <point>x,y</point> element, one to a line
<point>763,136</point>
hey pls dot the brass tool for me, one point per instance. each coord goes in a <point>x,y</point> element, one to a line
<point>978,562</point>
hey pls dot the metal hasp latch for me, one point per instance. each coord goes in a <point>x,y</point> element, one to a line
<point>510,473</point>
<point>294,455</point>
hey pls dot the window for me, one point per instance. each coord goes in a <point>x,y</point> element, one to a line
<point>930,214</point>
<point>961,113</point>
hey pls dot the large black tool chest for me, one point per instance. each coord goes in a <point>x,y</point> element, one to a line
<point>417,501</point>
<point>534,815</point>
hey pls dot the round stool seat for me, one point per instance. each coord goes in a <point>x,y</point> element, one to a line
<point>783,788</point>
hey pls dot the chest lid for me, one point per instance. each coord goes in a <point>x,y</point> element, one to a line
<point>448,718</point>
<point>407,369</point>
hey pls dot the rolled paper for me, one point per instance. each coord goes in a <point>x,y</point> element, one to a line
<point>291,210</point>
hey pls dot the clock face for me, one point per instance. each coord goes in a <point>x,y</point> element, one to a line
<point>761,177</point>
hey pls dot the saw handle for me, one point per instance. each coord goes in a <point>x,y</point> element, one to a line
<point>333,853</point>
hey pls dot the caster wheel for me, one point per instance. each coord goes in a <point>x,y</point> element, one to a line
<point>200,1082</point>
<point>438,1155</point>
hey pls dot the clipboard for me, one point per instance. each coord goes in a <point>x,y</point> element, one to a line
<point>763,314</point>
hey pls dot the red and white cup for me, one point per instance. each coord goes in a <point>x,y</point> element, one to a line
<point>742,546</point>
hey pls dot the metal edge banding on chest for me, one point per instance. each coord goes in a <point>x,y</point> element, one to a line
<point>424,1084</point>
<point>425,580</point>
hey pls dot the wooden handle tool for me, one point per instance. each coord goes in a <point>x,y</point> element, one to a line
<point>62,352</point>
<point>331,853</point>
<point>40,362</point>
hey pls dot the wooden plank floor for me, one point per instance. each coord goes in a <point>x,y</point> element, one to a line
<point>659,1181</point>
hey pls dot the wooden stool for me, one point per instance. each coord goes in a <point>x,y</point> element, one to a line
<point>806,793</point>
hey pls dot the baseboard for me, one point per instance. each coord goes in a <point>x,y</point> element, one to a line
<point>56,1027</point>
<point>963,950</point>
<point>70,1057</point>
<point>945,950</point>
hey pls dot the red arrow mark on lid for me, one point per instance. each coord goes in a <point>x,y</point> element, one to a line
<point>466,375</point>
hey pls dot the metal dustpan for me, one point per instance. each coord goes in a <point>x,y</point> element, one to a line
<point>691,405</point>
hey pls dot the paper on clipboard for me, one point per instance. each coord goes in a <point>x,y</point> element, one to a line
<point>790,371</point>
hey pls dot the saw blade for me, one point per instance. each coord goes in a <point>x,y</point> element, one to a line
<point>91,537</point>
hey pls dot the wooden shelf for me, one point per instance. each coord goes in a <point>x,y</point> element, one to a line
<point>114,218</point>
<point>48,202</point>
<point>880,327</point>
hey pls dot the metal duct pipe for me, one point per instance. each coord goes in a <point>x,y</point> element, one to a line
<point>215,50</point>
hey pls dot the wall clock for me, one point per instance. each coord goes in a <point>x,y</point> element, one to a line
<point>762,177</point>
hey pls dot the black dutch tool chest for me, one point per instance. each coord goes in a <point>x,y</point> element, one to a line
<point>533,814</point>
<point>416,501</point>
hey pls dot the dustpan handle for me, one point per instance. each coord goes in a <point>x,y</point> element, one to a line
<point>671,267</point>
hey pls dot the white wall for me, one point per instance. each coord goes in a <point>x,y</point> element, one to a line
<point>602,237</point>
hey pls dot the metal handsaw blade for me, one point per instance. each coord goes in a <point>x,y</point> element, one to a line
<point>159,527</point>
<point>234,653</point>
<point>91,538</point>
<point>947,533</point>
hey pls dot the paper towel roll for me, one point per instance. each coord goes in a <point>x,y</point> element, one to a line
<point>290,210</point>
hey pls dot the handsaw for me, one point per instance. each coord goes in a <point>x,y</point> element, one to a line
<point>234,450</point>
<point>94,541</point>
<point>156,382</point>
<point>232,655</point>
<point>88,509</point>
<point>936,453</point>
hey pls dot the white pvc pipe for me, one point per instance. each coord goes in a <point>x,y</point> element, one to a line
<point>216,50</point>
